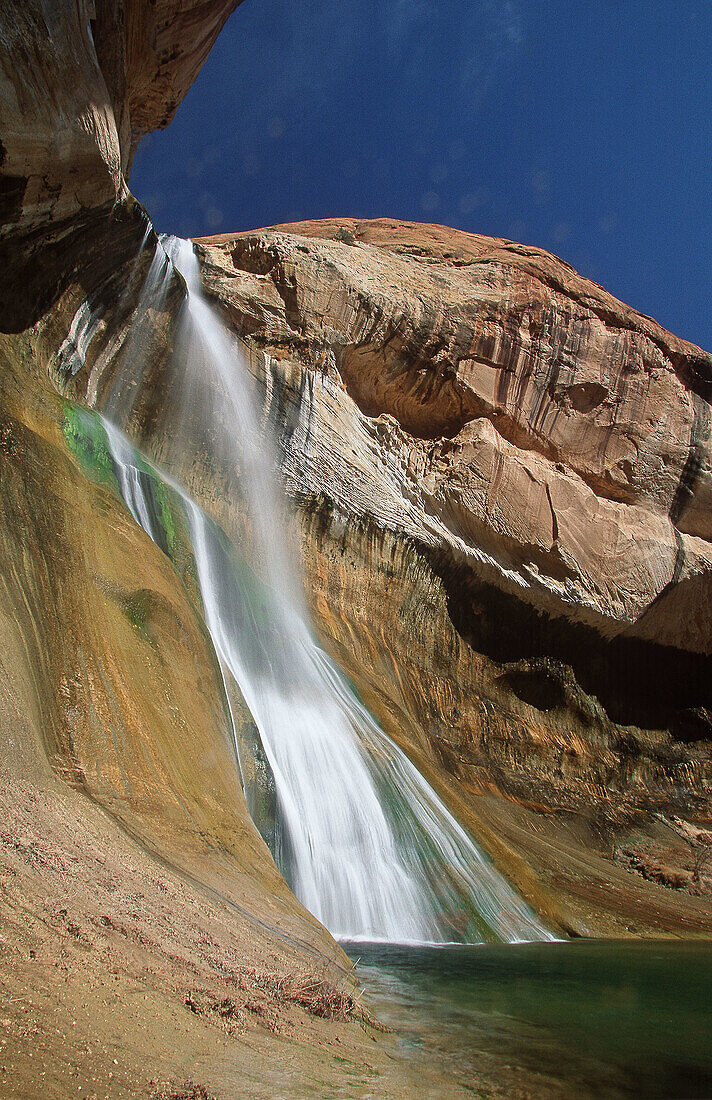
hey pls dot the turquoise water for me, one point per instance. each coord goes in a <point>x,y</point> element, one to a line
<point>577,1019</point>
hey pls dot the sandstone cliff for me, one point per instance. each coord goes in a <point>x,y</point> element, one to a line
<point>145,925</point>
<point>501,475</point>
<point>80,85</point>
<point>504,477</point>
<point>539,424</point>
<point>501,480</point>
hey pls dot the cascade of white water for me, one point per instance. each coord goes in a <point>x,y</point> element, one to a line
<point>370,849</point>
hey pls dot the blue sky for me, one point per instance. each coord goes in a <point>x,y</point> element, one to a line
<point>582,127</point>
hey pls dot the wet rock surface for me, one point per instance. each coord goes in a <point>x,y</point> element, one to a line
<point>501,480</point>
<point>502,475</point>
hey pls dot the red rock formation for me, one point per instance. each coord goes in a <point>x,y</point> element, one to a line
<point>503,472</point>
<point>80,84</point>
<point>150,54</point>
<point>503,479</point>
<point>543,431</point>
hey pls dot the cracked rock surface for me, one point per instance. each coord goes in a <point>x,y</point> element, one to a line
<point>481,396</point>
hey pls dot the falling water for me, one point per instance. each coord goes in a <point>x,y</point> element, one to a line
<point>367,845</point>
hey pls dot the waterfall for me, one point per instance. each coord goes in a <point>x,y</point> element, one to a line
<point>367,845</point>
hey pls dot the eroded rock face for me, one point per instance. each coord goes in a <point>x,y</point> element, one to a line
<point>503,480</point>
<point>131,870</point>
<point>542,431</point>
<point>503,476</point>
<point>98,623</point>
<point>80,84</point>
<point>150,54</point>
<point>61,147</point>
<point>524,624</point>
<point>525,757</point>
<point>518,623</point>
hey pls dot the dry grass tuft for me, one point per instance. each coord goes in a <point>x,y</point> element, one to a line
<point>188,1091</point>
<point>263,994</point>
<point>318,996</point>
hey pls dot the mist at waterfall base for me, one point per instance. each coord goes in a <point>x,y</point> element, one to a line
<point>362,838</point>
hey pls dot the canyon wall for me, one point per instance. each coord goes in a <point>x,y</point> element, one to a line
<point>503,475</point>
<point>80,84</point>
<point>500,479</point>
<point>147,934</point>
<point>500,476</point>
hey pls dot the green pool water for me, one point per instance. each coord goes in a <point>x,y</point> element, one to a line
<point>576,1019</point>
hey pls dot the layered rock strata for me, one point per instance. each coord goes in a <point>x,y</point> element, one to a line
<point>80,84</point>
<point>145,927</point>
<point>523,606</point>
<point>504,477</point>
<point>539,425</point>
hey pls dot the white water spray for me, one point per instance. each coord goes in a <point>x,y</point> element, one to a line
<point>369,848</point>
